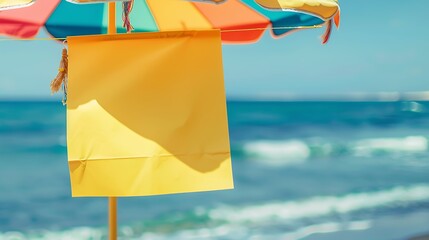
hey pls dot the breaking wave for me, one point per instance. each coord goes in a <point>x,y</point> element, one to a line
<point>411,144</point>
<point>288,152</point>
<point>322,206</point>
<point>237,222</point>
<point>280,152</point>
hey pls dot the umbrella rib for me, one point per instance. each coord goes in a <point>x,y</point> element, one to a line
<point>271,28</point>
<point>31,39</point>
<point>225,30</point>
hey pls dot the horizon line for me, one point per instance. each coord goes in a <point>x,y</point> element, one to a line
<point>285,97</point>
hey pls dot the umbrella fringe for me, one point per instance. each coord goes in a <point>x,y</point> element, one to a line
<point>327,34</point>
<point>61,78</point>
<point>127,7</point>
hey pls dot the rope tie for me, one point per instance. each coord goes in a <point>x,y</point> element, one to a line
<point>127,7</point>
<point>61,78</point>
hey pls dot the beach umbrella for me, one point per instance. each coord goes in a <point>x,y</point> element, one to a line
<point>237,21</point>
<point>240,21</point>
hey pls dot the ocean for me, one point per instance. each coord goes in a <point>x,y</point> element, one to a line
<point>303,170</point>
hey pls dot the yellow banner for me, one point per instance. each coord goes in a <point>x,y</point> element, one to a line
<point>146,114</point>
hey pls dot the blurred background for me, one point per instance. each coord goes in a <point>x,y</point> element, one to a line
<point>328,142</point>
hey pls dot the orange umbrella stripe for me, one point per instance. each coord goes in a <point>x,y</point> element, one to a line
<point>247,19</point>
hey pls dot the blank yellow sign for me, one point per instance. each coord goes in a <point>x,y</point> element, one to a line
<point>146,114</point>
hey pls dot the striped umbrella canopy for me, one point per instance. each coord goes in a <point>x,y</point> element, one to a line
<point>240,21</point>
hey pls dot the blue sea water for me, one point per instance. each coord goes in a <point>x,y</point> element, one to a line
<point>302,170</point>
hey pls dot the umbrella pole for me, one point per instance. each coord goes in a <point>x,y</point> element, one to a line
<point>113,233</point>
<point>112,218</point>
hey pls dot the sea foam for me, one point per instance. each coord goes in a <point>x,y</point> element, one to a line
<point>407,144</point>
<point>278,152</point>
<point>328,227</point>
<point>290,152</point>
<point>322,205</point>
<point>234,222</point>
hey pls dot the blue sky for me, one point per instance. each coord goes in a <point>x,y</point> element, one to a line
<point>381,46</point>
